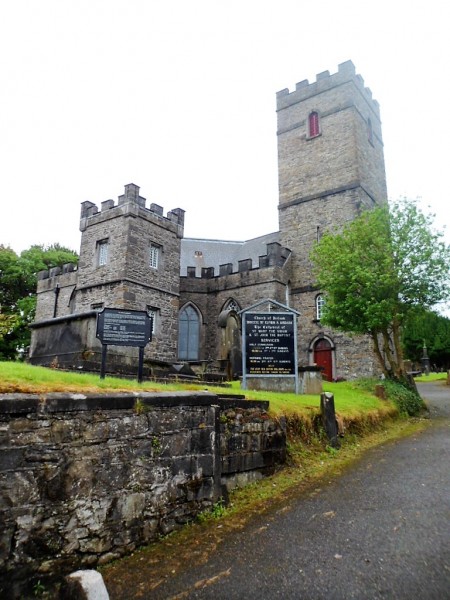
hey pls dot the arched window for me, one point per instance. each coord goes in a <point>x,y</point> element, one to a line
<point>231,304</point>
<point>188,333</point>
<point>320,303</point>
<point>313,124</point>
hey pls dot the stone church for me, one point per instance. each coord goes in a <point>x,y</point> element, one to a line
<point>135,257</point>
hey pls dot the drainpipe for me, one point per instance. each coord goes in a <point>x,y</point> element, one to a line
<point>55,306</point>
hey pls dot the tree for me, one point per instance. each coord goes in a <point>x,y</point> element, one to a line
<point>425,326</point>
<point>18,283</point>
<point>377,270</point>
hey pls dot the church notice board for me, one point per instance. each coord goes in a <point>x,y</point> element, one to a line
<point>270,344</point>
<point>119,327</point>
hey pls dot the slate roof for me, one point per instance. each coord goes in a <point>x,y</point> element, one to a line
<point>200,253</point>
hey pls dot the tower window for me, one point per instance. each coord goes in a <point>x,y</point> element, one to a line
<point>102,252</point>
<point>313,124</point>
<point>154,255</point>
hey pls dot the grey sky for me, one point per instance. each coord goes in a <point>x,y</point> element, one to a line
<point>179,98</point>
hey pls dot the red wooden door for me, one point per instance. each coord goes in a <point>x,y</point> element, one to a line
<point>322,358</point>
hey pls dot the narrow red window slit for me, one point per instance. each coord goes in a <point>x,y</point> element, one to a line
<point>314,124</point>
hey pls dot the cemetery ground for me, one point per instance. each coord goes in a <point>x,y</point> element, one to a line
<point>366,421</point>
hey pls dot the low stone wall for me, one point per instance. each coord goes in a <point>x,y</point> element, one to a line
<point>84,480</point>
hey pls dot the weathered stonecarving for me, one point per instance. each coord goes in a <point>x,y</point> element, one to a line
<point>87,479</point>
<point>330,168</point>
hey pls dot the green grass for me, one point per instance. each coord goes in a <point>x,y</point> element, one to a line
<point>350,400</point>
<point>431,377</point>
<point>21,377</point>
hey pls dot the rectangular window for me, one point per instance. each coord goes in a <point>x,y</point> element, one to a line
<point>154,255</point>
<point>313,124</point>
<point>102,252</point>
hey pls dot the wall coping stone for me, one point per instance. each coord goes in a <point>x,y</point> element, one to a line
<point>56,402</point>
<point>64,319</point>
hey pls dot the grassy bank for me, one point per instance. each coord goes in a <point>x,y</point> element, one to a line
<point>350,399</point>
<point>357,408</point>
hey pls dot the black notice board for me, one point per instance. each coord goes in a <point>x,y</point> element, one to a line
<point>119,327</point>
<point>269,344</point>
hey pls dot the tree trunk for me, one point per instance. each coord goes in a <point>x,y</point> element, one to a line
<point>378,353</point>
<point>396,336</point>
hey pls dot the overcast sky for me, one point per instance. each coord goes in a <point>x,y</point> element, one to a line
<point>178,97</point>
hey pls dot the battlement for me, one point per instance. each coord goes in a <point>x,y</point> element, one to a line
<point>276,256</point>
<point>56,271</point>
<point>130,197</point>
<point>325,81</point>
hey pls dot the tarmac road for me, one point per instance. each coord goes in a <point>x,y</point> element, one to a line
<point>381,530</point>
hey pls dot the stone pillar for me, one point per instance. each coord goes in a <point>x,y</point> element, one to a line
<point>329,418</point>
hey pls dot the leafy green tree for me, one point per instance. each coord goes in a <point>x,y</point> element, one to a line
<point>377,270</point>
<point>18,281</point>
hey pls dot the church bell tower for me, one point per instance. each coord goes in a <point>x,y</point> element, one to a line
<point>331,167</point>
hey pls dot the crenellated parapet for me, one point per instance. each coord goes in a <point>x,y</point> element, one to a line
<point>130,202</point>
<point>56,271</point>
<point>324,82</point>
<point>55,291</point>
<point>276,256</point>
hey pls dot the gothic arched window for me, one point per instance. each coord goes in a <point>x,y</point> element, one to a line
<point>313,124</point>
<point>188,333</point>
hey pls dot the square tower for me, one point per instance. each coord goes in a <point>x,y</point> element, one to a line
<point>331,167</point>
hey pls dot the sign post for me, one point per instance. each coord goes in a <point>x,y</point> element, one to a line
<point>119,327</point>
<point>269,343</point>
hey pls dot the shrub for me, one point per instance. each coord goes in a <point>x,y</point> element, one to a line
<point>407,400</point>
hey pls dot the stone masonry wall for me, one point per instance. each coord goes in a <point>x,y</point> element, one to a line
<point>84,480</point>
<point>55,290</point>
<point>246,288</point>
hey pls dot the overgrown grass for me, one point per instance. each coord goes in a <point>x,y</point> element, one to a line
<point>406,399</point>
<point>351,401</point>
